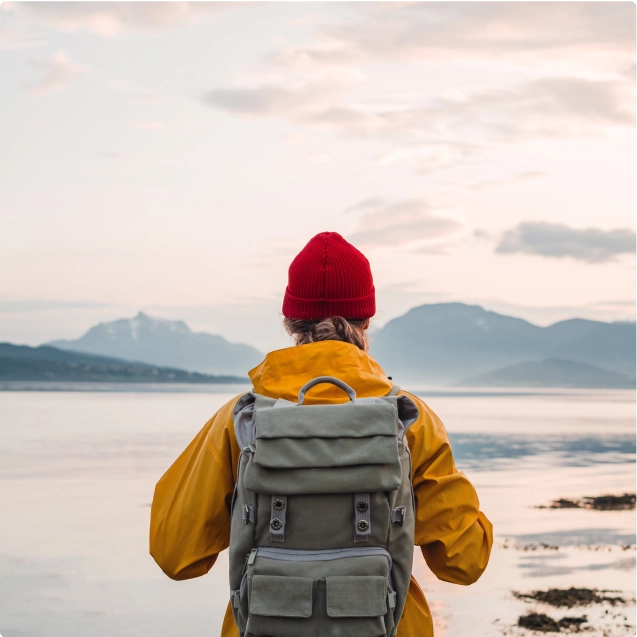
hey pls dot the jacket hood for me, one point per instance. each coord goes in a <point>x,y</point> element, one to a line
<point>283,372</point>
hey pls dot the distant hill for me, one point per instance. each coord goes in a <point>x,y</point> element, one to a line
<point>551,372</point>
<point>445,342</point>
<point>22,363</point>
<point>165,343</point>
<point>607,345</point>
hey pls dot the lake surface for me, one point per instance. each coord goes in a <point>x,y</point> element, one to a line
<point>78,469</point>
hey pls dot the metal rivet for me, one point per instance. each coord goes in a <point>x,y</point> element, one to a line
<point>362,525</point>
<point>276,524</point>
<point>278,504</point>
<point>362,506</point>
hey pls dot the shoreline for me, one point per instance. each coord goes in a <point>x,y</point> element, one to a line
<point>188,387</point>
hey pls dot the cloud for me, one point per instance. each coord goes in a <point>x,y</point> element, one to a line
<point>111,19</point>
<point>18,39</point>
<point>318,104</point>
<point>366,204</point>
<point>262,100</point>
<point>583,99</point>
<point>550,107</point>
<point>425,31</point>
<point>301,98</point>
<point>15,34</point>
<point>44,305</point>
<point>590,245</point>
<point>482,234</point>
<point>617,303</point>
<point>562,92</point>
<point>402,222</point>
<point>59,71</point>
<point>525,176</point>
<point>443,131</point>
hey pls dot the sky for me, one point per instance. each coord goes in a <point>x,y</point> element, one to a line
<point>175,157</point>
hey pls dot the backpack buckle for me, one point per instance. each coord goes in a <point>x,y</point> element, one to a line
<point>398,515</point>
<point>247,513</point>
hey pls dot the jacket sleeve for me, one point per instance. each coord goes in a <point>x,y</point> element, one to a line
<point>190,513</point>
<point>454,535</point>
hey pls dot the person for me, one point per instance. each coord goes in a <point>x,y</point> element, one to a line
<point>328,304</point>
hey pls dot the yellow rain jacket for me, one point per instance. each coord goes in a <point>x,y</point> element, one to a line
<point>190,515</point>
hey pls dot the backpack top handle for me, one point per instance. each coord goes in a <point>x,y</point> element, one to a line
<point>326,379</point>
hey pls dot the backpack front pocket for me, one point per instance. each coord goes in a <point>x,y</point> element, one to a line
<point>356,596</point>
<point>325,593</point>
<point>356,606</point>
<point>276,596</point>
<point>279,606</point>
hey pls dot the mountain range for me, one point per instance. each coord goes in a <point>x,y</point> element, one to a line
<point>434,344</point>
<point>552,372</point>
<point>165,343</point>
<point>450,343</point>
<point>44,363</point>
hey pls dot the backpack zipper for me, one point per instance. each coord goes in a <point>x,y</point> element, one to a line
<point>299,555</point>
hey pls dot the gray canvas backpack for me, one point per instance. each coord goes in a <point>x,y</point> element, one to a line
<point>322,534</point>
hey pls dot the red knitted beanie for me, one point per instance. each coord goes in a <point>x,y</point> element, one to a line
<point>329,277</point>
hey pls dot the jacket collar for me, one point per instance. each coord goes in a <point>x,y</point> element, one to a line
<point>284,371</point>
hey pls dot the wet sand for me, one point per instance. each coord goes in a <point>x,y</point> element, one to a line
<point>77,473</point>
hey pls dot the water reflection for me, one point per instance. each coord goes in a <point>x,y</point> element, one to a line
<point>576,537</point>
<point>77,471</point>
<point>472,450</point>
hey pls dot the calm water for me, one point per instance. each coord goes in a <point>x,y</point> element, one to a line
<point>77,472</point>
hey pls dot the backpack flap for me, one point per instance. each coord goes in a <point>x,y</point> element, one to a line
<point>346,448</point>
<point>326,436</point>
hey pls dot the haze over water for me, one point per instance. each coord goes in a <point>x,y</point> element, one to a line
<point>78,469</point>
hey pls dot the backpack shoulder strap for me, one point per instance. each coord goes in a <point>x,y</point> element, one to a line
<point>407,409</point>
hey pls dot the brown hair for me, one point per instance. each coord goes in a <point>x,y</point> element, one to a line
<point>334,328</point>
